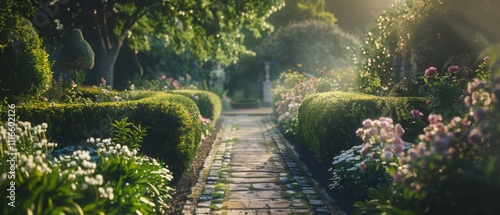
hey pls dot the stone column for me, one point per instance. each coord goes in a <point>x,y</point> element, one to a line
<point>267,87</point>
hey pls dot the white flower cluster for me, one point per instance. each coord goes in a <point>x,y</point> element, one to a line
<point>108,148</point>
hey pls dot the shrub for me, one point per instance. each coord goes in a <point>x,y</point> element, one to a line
<point>174,126</point>
<point>209,103</point>
<point>26,69</point>
<point>326,121</point>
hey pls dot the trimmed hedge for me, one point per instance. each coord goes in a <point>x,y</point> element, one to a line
<point>172,122</point>
<point>209,103</point>
<point>327,122</point>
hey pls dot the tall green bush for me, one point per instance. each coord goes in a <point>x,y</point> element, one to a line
<point>327,121</point>
<point>26,69</point>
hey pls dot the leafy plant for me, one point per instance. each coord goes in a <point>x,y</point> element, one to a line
<point>126,133</point>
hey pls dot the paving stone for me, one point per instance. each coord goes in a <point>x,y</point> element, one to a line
<point>202,211</point>
<point>255,194</point>
<point>258,203</point>
<point>316,202</point>
<point>264,211</point>
<point>322,210</point>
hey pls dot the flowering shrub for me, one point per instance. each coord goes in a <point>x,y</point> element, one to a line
<point>120,181</point>
<point>445,89</point>
<point>453,167</point>
<point>287,107</point>
<point>357,169</point>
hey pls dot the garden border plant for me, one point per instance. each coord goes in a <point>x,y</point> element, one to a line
<point>173,120</point>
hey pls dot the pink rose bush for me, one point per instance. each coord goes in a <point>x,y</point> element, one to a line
<point>445,90</point>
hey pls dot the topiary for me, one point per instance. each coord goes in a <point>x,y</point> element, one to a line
<point>26,69</point>
<point>77,55</point>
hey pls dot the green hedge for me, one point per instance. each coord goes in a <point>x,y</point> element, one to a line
<point>327,122</point>
<point>172,122</point>
<point>209,103</point>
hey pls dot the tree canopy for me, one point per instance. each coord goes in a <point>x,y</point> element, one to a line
<point>209,29</point>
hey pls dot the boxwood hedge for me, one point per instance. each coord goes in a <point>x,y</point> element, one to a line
<point>327,121</point>
<point>172,122</point>
<point>209,103</point>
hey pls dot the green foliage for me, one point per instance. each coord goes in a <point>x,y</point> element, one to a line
<point>312,43</point>
<point>127,134</point>
<point>26,69</point>
<point>326,121</point>
<point>209,104</point>
<point>174,127</point>
<point>209,29</point>
<point>300,10</point>
<point>140,183</point>
<point>118,181</point>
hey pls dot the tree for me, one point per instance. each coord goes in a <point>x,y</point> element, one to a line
<point>314,44</point>
<point>207,28</point>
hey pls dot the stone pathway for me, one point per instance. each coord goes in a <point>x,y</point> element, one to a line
<point>252,170</point>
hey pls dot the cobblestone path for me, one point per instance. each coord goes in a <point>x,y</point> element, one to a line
<point>252,170</point>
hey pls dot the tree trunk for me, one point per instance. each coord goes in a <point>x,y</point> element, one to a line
<point>105,59</point>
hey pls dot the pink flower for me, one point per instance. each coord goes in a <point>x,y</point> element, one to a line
<point>398,148</point>
<point>322,71</point>
<point>365,149</point>
<point>359,132</point>
<point>52,104</point>
<point>416,113</point>
<point>412,154</point>
<point>386,119</point>
<point>398,141</point>
<point>175,83</point>
<point>399,129</point>
<point>163,77</point>
<point>421,148</point>
<point>476,85</point>
<point>434,118</point>
<point>430,72</point>
<point>453,69</point>
<point>428,102</point>
<point>367,123</point>
<point>362,166</point>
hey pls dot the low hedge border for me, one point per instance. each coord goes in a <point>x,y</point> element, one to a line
<point>327,122</point>
<point>172,122</point>
<point>209,103</point>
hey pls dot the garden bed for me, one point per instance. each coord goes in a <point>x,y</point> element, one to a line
<point>190,177</point>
